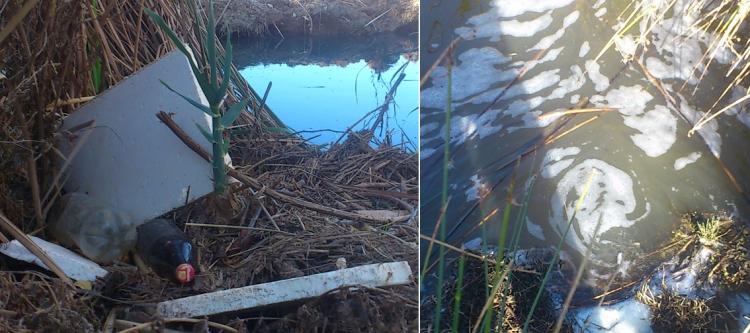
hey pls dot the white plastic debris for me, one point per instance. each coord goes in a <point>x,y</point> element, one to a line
<point>131,160</point>
<point>375,275</point>
<point>74,266</point>
<point>103,233</point>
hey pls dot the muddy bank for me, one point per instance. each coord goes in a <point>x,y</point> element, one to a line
<point>380,51</point>
<point>287,18</point>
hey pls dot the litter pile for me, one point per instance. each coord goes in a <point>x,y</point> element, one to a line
<point>293,216</point>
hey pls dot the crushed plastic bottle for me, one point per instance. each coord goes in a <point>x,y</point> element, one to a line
<point>166,249</point>
<point>102,232</point>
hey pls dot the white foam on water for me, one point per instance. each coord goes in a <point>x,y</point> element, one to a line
<point>598,4</point>
<point>709,132</point>
<point>554,169</point>
<point>475,72</point>
<point>585,48</point>
<point>626,45</point>
<point>505,8</point>
<point>462,128</point>
<point>740,110</point>
<point>574,82</point>
<point>600,81</point>
<point>629,316</point>
<point>684,161</point>
<point>550,55</point>
<point>600,12</point>
<point>529,86</point>
<point>629,100</point>
<point>554,160</point>
<point>534,229</point>
<point>658,68</point>
<point>487,25</point>
<point>547,41</point>
<point>575,98</point>
<point>427,128</point>
<point>425,153</point>
<point>610,200</point>
<point>679,45</point>
<point>658,129</point>
<point>477,189</point>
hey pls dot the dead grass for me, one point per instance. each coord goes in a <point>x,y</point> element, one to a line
<point>675,313</point>
<point>516,304</point>
<point>47,63</point>
<point>291,17</point>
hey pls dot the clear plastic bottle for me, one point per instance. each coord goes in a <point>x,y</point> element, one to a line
<point>102,232</point>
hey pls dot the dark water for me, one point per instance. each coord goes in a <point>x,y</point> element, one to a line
<point>322,86</point>
<point>645,170</point>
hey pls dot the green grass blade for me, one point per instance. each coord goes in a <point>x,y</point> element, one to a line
<point>181,46</point>
<point>96,75</point>
<point>205,132</point>
<point>226,73</point>
<point>211,45</point>
<point>234,111</point>
<point>458,295</point>
<point>547,275</point>
<point>444,199</point>
<point>193,102</point>
<point>265,96</point>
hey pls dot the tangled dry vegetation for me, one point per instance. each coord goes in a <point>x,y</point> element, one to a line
<point>513,302</point>
<point>726,271</point>
<point>308,211</point>
<point>291,17</point>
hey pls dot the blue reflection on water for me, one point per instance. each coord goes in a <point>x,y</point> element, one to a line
<point>313,97</point>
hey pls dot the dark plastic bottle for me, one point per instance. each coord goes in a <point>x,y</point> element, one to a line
<point>166,249</point>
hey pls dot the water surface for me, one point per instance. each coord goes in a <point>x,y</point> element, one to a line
<point>645,170</point>
<point>321,87</point>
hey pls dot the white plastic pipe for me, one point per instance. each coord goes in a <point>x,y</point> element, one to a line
<point>375,275</point>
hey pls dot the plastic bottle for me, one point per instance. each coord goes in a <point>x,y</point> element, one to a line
<point>166,249</point>
<point>102,232</point>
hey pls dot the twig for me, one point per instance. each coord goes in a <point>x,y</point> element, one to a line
<point>16,19</point>
<point>31,170</point>
<point>180,320</point>
<point>254,183</point>
<point>236,227</point>
<point>11,228</point>
<point>59,103</point>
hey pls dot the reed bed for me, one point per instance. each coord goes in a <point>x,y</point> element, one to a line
<point>305,211</point>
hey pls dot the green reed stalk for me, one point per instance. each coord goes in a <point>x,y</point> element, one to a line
<point>215,91</point>
<point>459,293</point>
<point>444,198</point>
<point>557,253</point>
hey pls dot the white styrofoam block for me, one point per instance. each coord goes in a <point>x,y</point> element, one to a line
<point>375,275</point>
<point>131,160</point>
<point>74,266</point>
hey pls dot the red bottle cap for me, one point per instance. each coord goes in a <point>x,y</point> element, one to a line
<point>185,273</point>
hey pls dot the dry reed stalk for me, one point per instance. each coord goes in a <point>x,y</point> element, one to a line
<point>11,228</point>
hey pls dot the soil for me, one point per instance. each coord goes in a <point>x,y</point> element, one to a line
<point>287,18</point>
